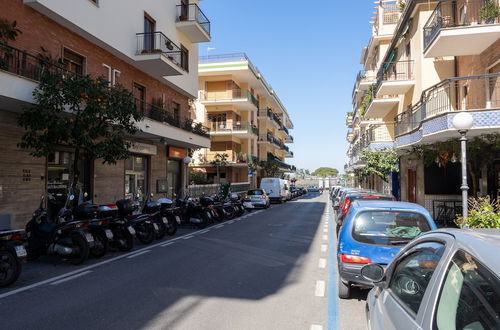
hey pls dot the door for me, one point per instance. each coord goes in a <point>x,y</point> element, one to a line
<point>136,183</point>
<point>149,34</point>
<point>139,92</point>
<point>412,186</point>
<point>174,176</point>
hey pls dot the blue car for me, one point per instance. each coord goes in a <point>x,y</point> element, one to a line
<point>374,232</point>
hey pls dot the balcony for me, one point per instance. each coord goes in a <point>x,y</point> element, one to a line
<point>193,23</point>
<point>289,139</point>
<point>239,129</point>
<point>380,106</point>
<point>282,165</point>
<point>395,78</point>
<point>433,113</point>
<point>159,56</point>
<point>242,98</point>
<point>364,80</point>
<point>459,30</point>
<point>234,158</point>
<point>159,121</point>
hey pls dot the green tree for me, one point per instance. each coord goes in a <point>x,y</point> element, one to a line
<point>379,162</point>
<point>271,169</point>
<point>220,160</point>
<point>8,31</point>
<point>82,113</point>
<point>326,172</point>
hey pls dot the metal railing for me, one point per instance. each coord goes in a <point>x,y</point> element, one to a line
<point>480,92</point>
<point>158,43</point>
<point>266,113</point>
<point>381,132</point>
<point>272,158</point>
<point>234,126</point>
<point>277,119</point>
<point>191,12</point>
<point>224,58</point>
<point>167,116</point>
<point>252,98</point>
<point>284,129</point>
<point>450,13</point>
<point>395,71</point>
<point>26,65</point>
<point>229,95</point>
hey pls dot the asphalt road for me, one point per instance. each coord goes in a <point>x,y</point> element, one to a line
<point>270,269</point>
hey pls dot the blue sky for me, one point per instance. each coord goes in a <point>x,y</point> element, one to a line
<point>309,52</point>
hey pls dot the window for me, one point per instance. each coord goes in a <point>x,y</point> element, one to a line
<point>176,110</point>
<point>73,62</point>
<point>139,92</point>
<point>414,272</point>
<point>470,297</point>
<point>184,58</point>
<point>255,192</point>
<point>136,179</point>
<point>149,33</point>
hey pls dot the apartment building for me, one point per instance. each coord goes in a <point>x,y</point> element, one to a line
<point>149,47</point>
<point>248,122</point>
<point>444,57</point>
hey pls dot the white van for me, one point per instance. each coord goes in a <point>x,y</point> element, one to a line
<point>276,189</point>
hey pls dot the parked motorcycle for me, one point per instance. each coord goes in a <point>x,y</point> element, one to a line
<point>191,212</point>
<point>122,234</point>
<point>12,253</point>
<point>237,202</point>
<point>224,207</point>
<point>142,224</point>
<point>56,236</point>
<point>163,216</point>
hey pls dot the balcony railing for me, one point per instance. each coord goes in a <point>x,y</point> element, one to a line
<point>191,12</point>
<point>234,126</point>
<point>277,119</point>
<point>26,65</point>
<point>448,14</point>
<point>279,162</point>
<point>284,129</point>
<point>266,113</point>
<point>365,77</point>
<point>229,95</point>
<point>158,43</point>
<point>170,117</point>
<point>395,71</point>
<point>455,94</point>
<point>381,133</point>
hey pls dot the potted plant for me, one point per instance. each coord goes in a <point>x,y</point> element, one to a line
<point>489,12</point>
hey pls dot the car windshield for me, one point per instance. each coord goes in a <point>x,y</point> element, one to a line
<point>255,192</point>
<point>388,227</point>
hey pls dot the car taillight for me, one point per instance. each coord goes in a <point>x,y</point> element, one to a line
<point>348,258</point>
<point>394,199</point>
<point>371,197</point>
<point>346,206</point>
<point>15,237</point>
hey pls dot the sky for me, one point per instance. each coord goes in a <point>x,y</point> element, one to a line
<point>309,52</point>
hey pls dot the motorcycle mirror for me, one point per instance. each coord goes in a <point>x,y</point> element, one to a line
<point>152,195</point>
<point>86,194</point>
<point>71,197</point>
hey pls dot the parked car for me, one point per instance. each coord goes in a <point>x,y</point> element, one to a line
<point>312,189</point>
<point>441,280</point>
<point>256,198</point>
<point>277,189</point>
<point>350,196</point>
<point>374,232</point>
<point>333,191</point>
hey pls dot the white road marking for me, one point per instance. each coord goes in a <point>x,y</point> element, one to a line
<point>322,263</point>
<point>324,247</point>
<point>138,254</point>
<point>316,327</point>
<point>203,231</point>
<point>167,244</point>
<point>230,222</point>
<point>218,226</point>
<point>325,230</point>
<point>320,289</point>
<point>69,278</point>
<point>49,280</point>
<point>325,237</point>
<point>188,237</point>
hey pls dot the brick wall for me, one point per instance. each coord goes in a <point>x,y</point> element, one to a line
<point>38,31</point>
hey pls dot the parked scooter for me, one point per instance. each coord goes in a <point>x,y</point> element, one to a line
<point>237,202</point>
<point>192,213</point>
<point>163,216</point>
<point>12,253</point>
<point>143,225</point>
<point>56,236</point>
<point>224,207</point>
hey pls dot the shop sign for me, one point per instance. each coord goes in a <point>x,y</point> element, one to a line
<point>174,152</point>
<point>142,148</point>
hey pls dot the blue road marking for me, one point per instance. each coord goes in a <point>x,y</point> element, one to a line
<point>333,298</point>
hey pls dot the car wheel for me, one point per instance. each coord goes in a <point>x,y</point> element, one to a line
<point>344,290</point>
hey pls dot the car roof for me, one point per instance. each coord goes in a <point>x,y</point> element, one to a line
<point>483,244</point>
<point>367,193</point>
<point>381,204</point>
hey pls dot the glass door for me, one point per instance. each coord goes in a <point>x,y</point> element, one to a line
<point>174,176</point>
<point>136,183</point>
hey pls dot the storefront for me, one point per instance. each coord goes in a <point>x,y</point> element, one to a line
<point>60,173</point>
<point>174,170</point>
<point>138,169</point>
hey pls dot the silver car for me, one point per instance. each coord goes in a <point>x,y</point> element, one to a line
<point>256,198</point>
<point>441,280</point>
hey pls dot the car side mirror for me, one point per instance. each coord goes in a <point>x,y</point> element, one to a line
<point>373,272</point>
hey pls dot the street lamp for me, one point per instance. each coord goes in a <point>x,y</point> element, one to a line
<point>463,122</point>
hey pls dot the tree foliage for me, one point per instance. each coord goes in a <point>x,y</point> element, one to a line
<point>378,162</point>
<point>8,31</point>
<point>271,169</point>
<point>326,172</point>
<point>79,112</point>
<point>483,213</point>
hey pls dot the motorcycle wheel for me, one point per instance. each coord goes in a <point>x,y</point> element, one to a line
<point>100,247</point>
<point>32,254</point>
<point>172,226</point>
<point>204,221</point>
<point>81,247</point>
<point>145,233</point>
<point>231,213</point>
<point>10,268</point>
<point>162,229</point>
<point>125,240</point>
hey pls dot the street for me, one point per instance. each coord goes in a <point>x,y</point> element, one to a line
<point>266,270</point>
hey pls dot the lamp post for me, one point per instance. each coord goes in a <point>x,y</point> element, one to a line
<point>463,122</point>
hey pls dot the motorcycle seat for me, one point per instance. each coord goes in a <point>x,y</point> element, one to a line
<point>48,227</point>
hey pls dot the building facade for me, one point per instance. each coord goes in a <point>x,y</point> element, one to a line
<point>248,123</point>
<point>444,57</point>
<point>151,51</point>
